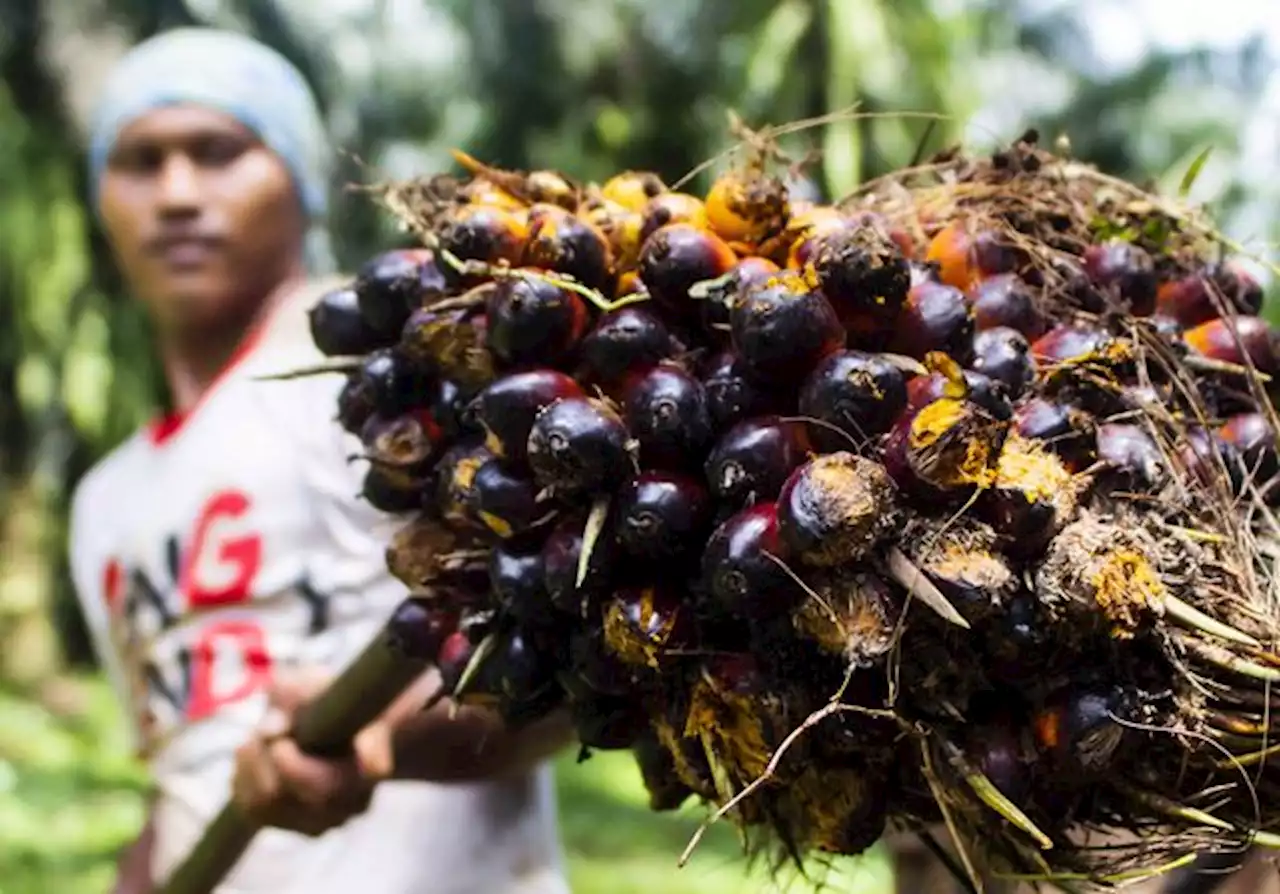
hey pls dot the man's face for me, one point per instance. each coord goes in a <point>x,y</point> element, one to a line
<point>204,219</point>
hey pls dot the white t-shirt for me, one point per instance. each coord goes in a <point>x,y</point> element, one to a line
<point>209,551</point>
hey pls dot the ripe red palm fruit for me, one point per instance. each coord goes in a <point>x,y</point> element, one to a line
<point>1239,340</point>
<point>835,508</point>
<point>677,256</point>
<point>531,320</point>
<point>853,396</point>
<point>1005,300</point>
<point>936,317</point>
<point>751,461</point>
<point>566,243</point>
<point>782,329</point>
<point>507,408</point>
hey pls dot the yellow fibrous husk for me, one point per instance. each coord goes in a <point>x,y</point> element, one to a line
<point>1108,568</point>
<point>954,449</point>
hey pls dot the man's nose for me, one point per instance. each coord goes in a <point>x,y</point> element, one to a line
<point>179,187</point>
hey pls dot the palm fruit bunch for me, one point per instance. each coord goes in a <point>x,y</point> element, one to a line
<point>945,504</point>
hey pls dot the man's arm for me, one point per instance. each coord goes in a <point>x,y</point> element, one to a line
<point>449,743</point>
<point>280,786</point>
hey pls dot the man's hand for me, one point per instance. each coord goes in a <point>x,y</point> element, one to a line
<point>277,785</point>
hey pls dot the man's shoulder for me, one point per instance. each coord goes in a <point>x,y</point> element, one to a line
<point>111,472</point>
<point>288,333</point>
<point>107,483</point>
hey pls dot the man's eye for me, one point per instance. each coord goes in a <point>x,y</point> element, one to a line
<point>217,151</point>
<point>136,159</point>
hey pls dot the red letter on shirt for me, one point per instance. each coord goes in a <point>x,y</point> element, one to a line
<point>242,645</point>
<point>113,584</point>
<point>219,571</point>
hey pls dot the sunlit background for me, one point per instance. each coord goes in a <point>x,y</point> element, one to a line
<point>1143,88</point>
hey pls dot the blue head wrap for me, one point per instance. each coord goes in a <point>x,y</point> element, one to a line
<point>233,74</point>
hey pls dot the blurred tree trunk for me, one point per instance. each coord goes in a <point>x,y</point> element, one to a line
<point>29,649</point>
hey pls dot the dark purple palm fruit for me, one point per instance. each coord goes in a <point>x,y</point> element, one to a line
<point>642,623</point>
<point>485,234</point>
<point>715,306</point>
<point>852,397</point>
<point>517,581</point>
<point>561,552</point>
<point>977,388</point>
<point>1003,354</point>
<point>394,385</point>
<point>389,491</point>
<point>1125,275</point>
<point>623,341</point>
<point>658,772</point>
<point>392,285</point>
<point>580,446</point>
<point>751,461</point>
<point>508,503</point>
<point>452,410</point>
<point>666,412</point>
<point>1005,300</point>
<point>1211,460</point>
<point>836,508</point>
<point>782,329</point>
<point>803,233</point>
<point>592,669</point>
<point>1033,496</point>
<point>514,673</point>
<point>533,321</point>
<point>1070,347</point>
<point>355,404</point>
<point>338,328</point>
<point>566,243</point>
<point>507,408</point>
<point>863,273</point>
<point>1081,728</point>
<point>1015,642</point>
<point>732,395</point>
<point>1132,458</point>
<point>924,272</point>
<point>608,723</point>
<point>419,627</point>
<point>453,494</point>
<point>1059,426</point>
<point>935,317</point>
<point>676,257</point>
<point>742,567</point>
<point>406,444</point>
<point>994,749</point>
<point>450,342</point>
<point>662,516</point>
<point>1252,436</point>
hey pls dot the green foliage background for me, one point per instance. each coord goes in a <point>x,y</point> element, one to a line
<point>590,86</point>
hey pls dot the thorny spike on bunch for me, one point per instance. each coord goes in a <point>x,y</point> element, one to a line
<point>692,465</point>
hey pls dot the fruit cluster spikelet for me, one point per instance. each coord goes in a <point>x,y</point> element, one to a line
<point>944,506</point>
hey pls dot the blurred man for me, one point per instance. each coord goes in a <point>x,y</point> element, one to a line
<point>221,556</point>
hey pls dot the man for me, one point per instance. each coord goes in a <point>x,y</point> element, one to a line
<point>221,555</point>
